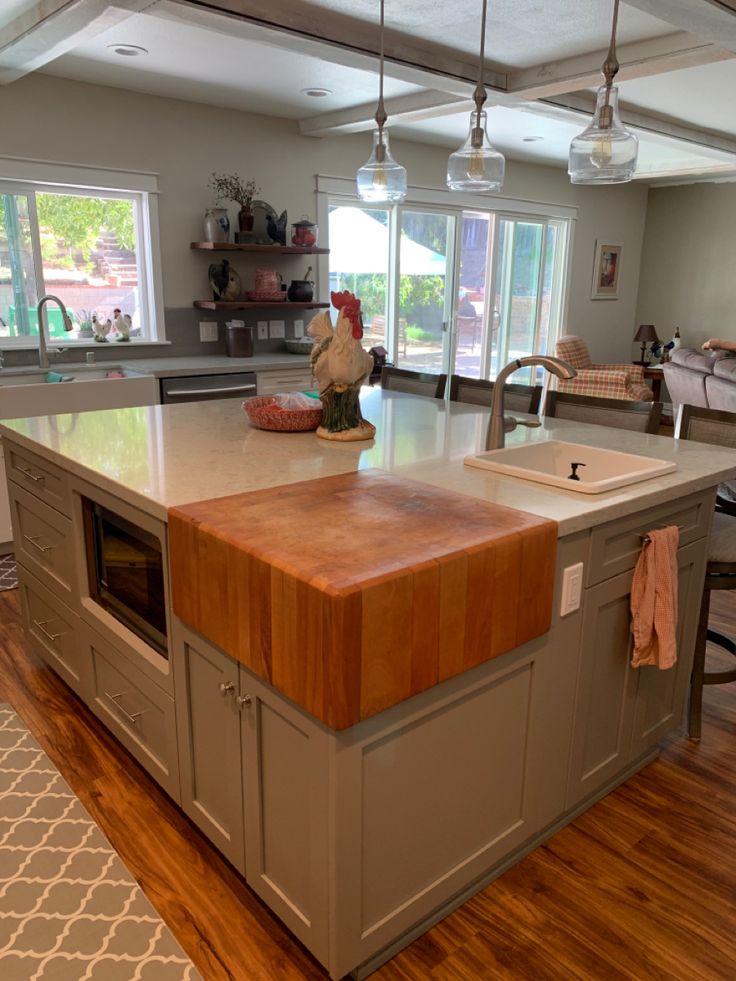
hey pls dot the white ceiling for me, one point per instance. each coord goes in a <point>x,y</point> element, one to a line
<point>675,84</point>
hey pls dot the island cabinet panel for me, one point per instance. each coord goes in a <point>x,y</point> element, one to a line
<point>135,709</point>
<point>206,685</point>
<point>43,542</point>
<point>53,630</point>
<point>621,711</point>
<point>43,479</point>
<point>389,587</point>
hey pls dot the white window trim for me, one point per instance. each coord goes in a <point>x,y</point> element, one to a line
<point>19,175</point>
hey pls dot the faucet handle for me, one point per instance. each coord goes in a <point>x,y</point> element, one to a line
<point>529,423</point>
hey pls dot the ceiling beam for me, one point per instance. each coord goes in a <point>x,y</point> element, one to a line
<point>714,20</point>
<point>308,29</point>
<point>584,103</point>
<point>53,27</point>
<point>638,60</point>
<point>403,109</point>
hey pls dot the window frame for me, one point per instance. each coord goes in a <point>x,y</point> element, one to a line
<point>30,177</point>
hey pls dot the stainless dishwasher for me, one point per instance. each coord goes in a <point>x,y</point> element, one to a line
<point>198,388</point>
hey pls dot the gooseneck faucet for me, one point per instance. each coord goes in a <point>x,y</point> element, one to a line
<point>43,357</point>
<point>499,425</point>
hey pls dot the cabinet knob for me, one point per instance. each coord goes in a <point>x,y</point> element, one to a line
<point>226,687</point>
<point>243,700</point>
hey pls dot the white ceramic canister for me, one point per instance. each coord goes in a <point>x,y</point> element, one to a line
<point>216,225</point>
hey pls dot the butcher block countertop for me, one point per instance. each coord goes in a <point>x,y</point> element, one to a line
<point>351,593</point>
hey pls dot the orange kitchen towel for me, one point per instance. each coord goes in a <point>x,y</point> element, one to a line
<point>654,600</point>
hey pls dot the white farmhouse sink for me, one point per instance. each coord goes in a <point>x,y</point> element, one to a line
<point>551,463</point>
<point>29,393</point>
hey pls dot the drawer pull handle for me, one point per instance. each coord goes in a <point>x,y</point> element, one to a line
<point>243,700</point>
<point>114,699</point>
<point>33,539</point>
<point>646,538</point>
<point>41,624</point>
<point>35,477</point>
<point>226,687</point>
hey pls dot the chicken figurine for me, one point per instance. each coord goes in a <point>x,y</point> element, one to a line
<point>340,366</point>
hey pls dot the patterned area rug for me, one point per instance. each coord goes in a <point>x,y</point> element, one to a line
<point>8,573</point>
<point>69,909</point>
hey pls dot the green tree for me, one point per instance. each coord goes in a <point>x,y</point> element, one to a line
<point>79,222</point>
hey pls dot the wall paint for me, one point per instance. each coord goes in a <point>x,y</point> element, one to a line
<point>73,122</point>
<point>688,262</point>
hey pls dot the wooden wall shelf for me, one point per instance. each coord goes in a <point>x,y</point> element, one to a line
<point>273,249</point>
<point>252,305</point>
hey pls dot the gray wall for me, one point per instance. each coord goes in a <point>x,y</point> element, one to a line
<point>55,119</point>
<point>688,267</point>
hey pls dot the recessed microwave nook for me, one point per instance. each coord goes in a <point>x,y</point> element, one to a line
<point>126,573</point>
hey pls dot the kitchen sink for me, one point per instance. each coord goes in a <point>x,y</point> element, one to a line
<point>29,393</point>
<point>554,462</point>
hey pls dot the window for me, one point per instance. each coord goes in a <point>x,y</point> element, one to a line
<point>91,247</point>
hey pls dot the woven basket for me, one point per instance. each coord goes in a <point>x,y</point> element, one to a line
<point>261,413</point>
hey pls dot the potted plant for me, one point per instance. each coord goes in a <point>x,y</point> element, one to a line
<point>84,321</point>
<point>232,187</point>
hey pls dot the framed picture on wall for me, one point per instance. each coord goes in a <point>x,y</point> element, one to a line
<point>606,271</point>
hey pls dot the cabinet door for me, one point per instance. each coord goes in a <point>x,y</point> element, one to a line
<point>284,380</point>
<point>660,696</point>
<point>6,529</point>
<point>208,732</point>
<point>286,783</point>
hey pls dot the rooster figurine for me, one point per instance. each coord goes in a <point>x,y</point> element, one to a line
<point>340,366</point>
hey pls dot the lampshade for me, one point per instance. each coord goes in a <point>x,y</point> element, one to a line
<point>477,165</point>
<point>605,152</point>
<point>381,178</point>
<point>646,334</point>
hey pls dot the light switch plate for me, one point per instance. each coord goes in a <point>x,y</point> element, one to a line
<point>298,328</point>
<point>277,328</point>
<point>208,330</point>
<point>572,589</point>
<point>262,330</point>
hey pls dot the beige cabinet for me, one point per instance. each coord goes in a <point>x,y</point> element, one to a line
<point>284,380</point>
<point>622,712</point>
<point>6,528</point>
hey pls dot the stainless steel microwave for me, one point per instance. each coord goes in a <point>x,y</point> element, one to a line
<point>125,565</point>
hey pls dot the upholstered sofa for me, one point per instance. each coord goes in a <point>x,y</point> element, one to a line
<point>704,379</point>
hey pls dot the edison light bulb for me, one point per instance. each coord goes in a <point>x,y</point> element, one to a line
<point>476,166</point>
<point>379,177</point>
<point>602,152</point>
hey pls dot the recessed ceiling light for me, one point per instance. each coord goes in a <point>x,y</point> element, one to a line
<point>128,50</point>
<point>316,93</point>
<point>532,139</point>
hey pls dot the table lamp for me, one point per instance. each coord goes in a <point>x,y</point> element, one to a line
<point>647,335</point>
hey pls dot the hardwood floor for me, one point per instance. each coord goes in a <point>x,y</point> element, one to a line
<point>642,886</point>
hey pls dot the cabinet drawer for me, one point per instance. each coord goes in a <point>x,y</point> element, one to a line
<point>135,710</point>
<point>285,380</point>
<point>43,541</point>
<point>41,478</point>
<point>54,631</point>
<point>616,545</point>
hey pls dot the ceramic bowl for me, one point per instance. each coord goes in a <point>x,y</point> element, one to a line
<point>264,413</point>
<point>299,345</point>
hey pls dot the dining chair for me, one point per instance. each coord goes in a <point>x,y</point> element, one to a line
<point>719,428</point>
<point>640,417</point>
<point>478,391</point>
<point>413,382</point>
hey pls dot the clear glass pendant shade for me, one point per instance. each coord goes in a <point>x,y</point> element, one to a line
<point>605,152</point>
<point>476,165</point>
<point>381,178</point>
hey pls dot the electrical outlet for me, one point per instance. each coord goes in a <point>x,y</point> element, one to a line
<point>262,330</point>
<point>208,330</point>
<point>298,328</point>
<point>277,328</point>
<point>572,588</point>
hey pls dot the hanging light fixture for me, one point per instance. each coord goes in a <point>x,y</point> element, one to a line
<point>605,152</point>
<point>477,165</point>
<point>381,178</point>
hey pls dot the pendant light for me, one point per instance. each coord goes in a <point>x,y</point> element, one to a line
<point>605,152</point>
<point>381,178</point>
<point>477,165</point>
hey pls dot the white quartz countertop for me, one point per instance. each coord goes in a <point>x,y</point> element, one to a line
<point>156,457</point>
<point>175,366</point>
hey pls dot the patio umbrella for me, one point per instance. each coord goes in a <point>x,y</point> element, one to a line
<point>359,244</point>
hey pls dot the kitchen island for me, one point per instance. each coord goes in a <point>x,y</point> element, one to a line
<point>359,838</point>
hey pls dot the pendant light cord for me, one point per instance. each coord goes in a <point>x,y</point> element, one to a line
<point>611,65</point>
<point>480,95</point>
<point>380,109</point>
